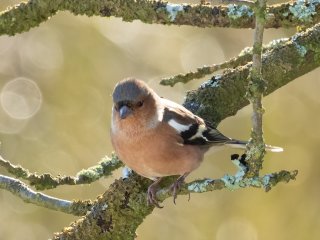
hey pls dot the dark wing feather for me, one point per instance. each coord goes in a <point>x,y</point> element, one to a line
<point>197,131</point>
<point>214,136</point>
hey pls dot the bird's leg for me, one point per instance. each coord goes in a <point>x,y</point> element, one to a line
<point>176,186</point>
<point>152,192</point>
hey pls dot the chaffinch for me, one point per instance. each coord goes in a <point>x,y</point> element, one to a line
<point>156,137</point>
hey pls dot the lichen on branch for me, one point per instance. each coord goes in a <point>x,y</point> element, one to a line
<point>244,57</point>
<point>24,192</point>
<point>24,16</point>
<point>123,207</point>
<point>46,181</point>
<point>256,87</point>
<point>282,62</point>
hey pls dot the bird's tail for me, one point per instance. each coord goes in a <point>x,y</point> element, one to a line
<point>242,144</point>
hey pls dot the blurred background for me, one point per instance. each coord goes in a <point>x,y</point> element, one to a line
<point>55,92</point>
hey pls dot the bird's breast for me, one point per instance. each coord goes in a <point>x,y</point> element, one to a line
<point>156,153</point>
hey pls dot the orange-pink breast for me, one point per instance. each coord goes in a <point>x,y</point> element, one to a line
<point>156,152</point>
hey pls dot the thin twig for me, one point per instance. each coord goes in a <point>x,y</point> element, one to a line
<point>25,193</point>
<point>232,183</point>
<point>243,58</point>
<point>238,2</point>
<point>47,181</point>
<point>256,146</point>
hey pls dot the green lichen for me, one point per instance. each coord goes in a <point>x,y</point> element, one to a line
<point>230,182</point>
<point>285,14</point>
<point>266,182</point>
<point>239,180</point>
<point>173,9</point>
<point>81,207</point>
<point>104,168</point>
<point>241,169</point>
<point>91,174</point>
<point>276,43</point>
<point>24,16</point>
<point>110,164</point>
<point>126,172</point>
<point>301,50</point>
<point>233,182</point>
<point>237,11</point>
<point>304,10</point>
<point>200,187</point>
<point>43,181</point>
<point>245,51</point>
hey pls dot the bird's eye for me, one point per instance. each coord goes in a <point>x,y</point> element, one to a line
<point>139,104</point>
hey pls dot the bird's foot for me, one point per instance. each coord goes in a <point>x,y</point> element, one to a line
<point>176,186</point>
<point>152,194</point>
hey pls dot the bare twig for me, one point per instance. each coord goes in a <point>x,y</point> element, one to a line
<point>47,181</point>
<point>25,193</point>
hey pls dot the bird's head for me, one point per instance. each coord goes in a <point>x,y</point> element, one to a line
<point>132,98</point>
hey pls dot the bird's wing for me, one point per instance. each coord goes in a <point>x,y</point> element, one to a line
<point>192,129</point>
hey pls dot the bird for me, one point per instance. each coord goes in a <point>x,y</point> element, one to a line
<point>156,137</point>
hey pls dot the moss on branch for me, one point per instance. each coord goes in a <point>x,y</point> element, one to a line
<point>123,207</point>
<point>256,147</point>
<point>116,214</point>
<point>21,190</point>
<point>242,59</point>
<point>24,16</point>
<point>283,61</point>
<point>46,181</point>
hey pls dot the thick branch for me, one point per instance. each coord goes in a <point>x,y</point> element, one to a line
<point>47,181</point>
<point>25,16</point>
<point>224,95</point>
<point>21,190</point>
<point>123,207</point>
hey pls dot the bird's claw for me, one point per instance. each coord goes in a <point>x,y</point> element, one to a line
<point>176,186</point>
<point>152,196</point>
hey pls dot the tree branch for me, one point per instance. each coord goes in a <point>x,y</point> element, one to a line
<point>25,16</point>
<point>22,191</point>
<point>238,2</point>
<point>243,58</point>
<point>127,207</point>
<point>47,181</point>
<point>223,95</point>
<point>256,146</point>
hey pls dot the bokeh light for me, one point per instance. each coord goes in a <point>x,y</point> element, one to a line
<point>236,228</point>
<point>201,46</point>
<point>41,50</point>
<point>21,98</point>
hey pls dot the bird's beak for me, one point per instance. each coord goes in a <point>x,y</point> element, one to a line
<point>124,111</point>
